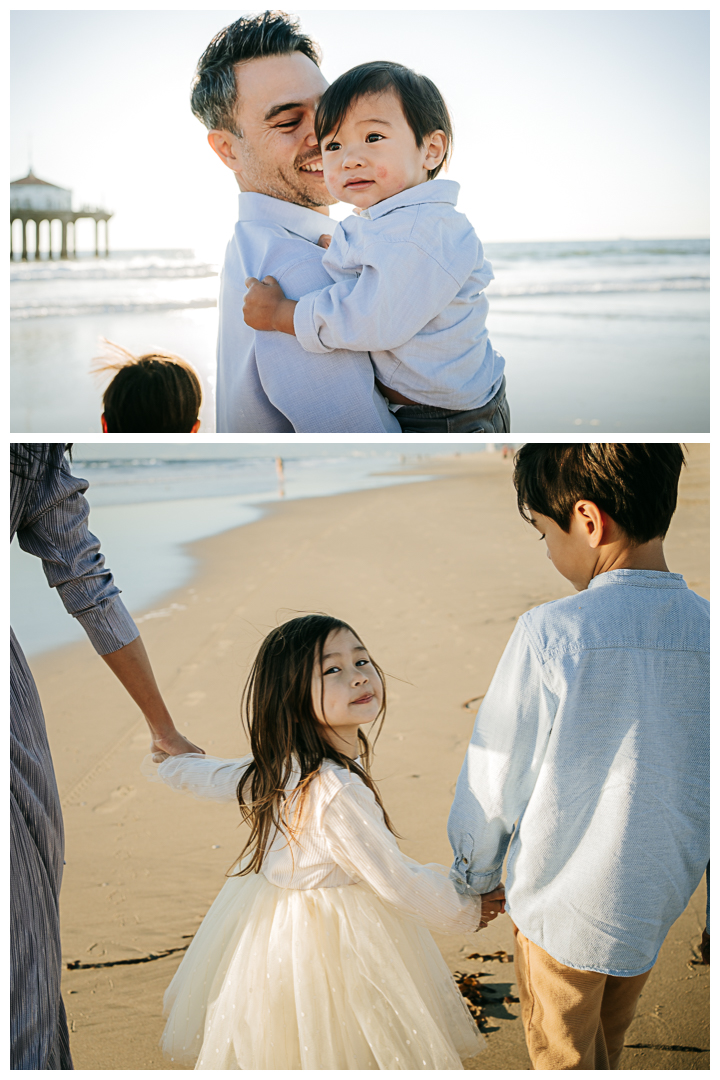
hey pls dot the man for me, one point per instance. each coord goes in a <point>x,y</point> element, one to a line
<point>256,89</point>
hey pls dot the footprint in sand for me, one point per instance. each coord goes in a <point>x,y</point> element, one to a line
<point>117,798</point>
<point>195,698</point>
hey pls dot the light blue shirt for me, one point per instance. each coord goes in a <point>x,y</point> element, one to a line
<point>410,276</point>
<point>591,750</point>
<point>266,381</point>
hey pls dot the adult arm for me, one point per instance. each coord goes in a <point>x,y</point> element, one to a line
<point>501,766</point>
<point>363,847</point>
<point>400,289</point>
<point>54,528</point>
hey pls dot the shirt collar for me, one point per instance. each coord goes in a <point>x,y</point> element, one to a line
<point>296,219</point>
<point>645,579</point>
<point>432,191</point>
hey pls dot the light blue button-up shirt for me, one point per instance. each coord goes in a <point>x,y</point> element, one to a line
<point>266,381</point>
<point>591,750</point>
<point>410,276</point>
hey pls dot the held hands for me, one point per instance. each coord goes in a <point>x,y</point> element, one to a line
<point>493,904</point>
<point>164,746</point>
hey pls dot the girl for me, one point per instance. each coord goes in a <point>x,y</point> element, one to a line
<point>316,954</point>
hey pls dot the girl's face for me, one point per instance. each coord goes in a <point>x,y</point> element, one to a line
<point>346,688</point>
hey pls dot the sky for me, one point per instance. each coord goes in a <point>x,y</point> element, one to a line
<point>569,124</point>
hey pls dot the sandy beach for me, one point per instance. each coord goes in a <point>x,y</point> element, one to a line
<point>433,576</point>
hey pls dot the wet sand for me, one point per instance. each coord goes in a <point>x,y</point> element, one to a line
<point>433,576</point>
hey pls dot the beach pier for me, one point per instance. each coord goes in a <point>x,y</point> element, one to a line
<point>35,200</point>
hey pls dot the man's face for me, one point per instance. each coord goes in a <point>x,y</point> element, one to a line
<point>278,153</point>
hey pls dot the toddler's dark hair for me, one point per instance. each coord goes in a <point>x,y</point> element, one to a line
<point>636,484</point>
<point>154,392</point>
<point>421,101</point>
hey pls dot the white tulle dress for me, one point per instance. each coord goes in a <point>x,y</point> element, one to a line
<point>324,959</point>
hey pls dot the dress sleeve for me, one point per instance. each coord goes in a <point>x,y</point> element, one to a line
<point>364,848</point>
<point>382,308</point>
<point>199,775</point>
<point>54,528</point>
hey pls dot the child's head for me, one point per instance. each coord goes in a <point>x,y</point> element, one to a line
<point>312,684</point>
<point>381,128</point>
<point>582,496</point>
<point>154,392</point>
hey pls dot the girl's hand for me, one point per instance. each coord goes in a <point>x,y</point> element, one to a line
<point>171,745</point>
<point>493,904</point>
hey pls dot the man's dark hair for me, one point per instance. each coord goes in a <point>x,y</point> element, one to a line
<point>155,392</point>
<point>636,484</point>
<point>421,101</point>
<point>214,89</point>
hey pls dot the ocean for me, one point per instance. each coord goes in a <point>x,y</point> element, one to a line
<point>147,508</point>
<point>597,336</point>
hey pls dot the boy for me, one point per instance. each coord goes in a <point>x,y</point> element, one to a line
<point>409,271</point>
<point>156,392</point>
<point>591,751</point>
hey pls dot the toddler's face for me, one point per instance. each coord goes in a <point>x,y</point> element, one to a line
<point>373,154</point>
<point>346,688</point>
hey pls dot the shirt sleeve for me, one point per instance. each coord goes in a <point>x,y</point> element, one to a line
<point>55,529</point>
<point>501,766</point>
<point>199,775</point>
<point>400,289</point>
<point>364,848</point>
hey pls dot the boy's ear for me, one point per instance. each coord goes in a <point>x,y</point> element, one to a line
<point>195,427</point>
<point>435,148</point>
<point>591,521</point>
<point>103,421</point>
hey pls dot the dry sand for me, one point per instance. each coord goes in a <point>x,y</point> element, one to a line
<point>433,576</point>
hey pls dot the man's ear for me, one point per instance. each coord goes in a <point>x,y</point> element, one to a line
<point>223,143</point>
<point>591,521</point>
<point>435,147</point>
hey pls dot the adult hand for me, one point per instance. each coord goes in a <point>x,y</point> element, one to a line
<point>493,904</point>
<point>171,745</point>
<point>261,303</point>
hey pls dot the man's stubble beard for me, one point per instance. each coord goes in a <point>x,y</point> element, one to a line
<point>286,185</point>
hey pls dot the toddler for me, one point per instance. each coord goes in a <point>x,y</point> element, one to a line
<point>409,271</point>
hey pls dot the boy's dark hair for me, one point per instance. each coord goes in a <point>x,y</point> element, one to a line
<point>155,392</point>
<point>214,89</point>
<point>636,484</point>
<point>421,101</point>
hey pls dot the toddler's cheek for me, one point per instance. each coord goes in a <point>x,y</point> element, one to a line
<point>381,172</point>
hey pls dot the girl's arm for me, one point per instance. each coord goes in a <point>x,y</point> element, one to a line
<point>198,775</point>
<point>364,848</point>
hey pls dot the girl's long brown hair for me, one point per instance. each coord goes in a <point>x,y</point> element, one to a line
<point>285,734</point>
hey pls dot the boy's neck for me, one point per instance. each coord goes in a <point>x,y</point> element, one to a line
<point>618,556</point>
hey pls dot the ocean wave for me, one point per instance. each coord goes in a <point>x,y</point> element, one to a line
<point>601,250</point>
<point>594,288</point>
<point>126,307</point>
<point>140,266</point>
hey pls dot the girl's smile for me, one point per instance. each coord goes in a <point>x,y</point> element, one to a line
<point>346,689</point>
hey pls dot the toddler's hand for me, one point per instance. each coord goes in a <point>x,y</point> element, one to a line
<point>493,904</point>
<point>261,303</point>
<point>325,241</point>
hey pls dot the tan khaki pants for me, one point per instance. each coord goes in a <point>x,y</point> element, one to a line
<point>573,1019</point>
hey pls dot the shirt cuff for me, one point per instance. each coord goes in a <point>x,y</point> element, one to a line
<point>304,324</point>
<point>469,884</point>
<point>109,627</point>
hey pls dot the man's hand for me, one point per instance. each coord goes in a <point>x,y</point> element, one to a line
<point>493,904</point>
<point>266,307</point>
<point>172,745</point>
